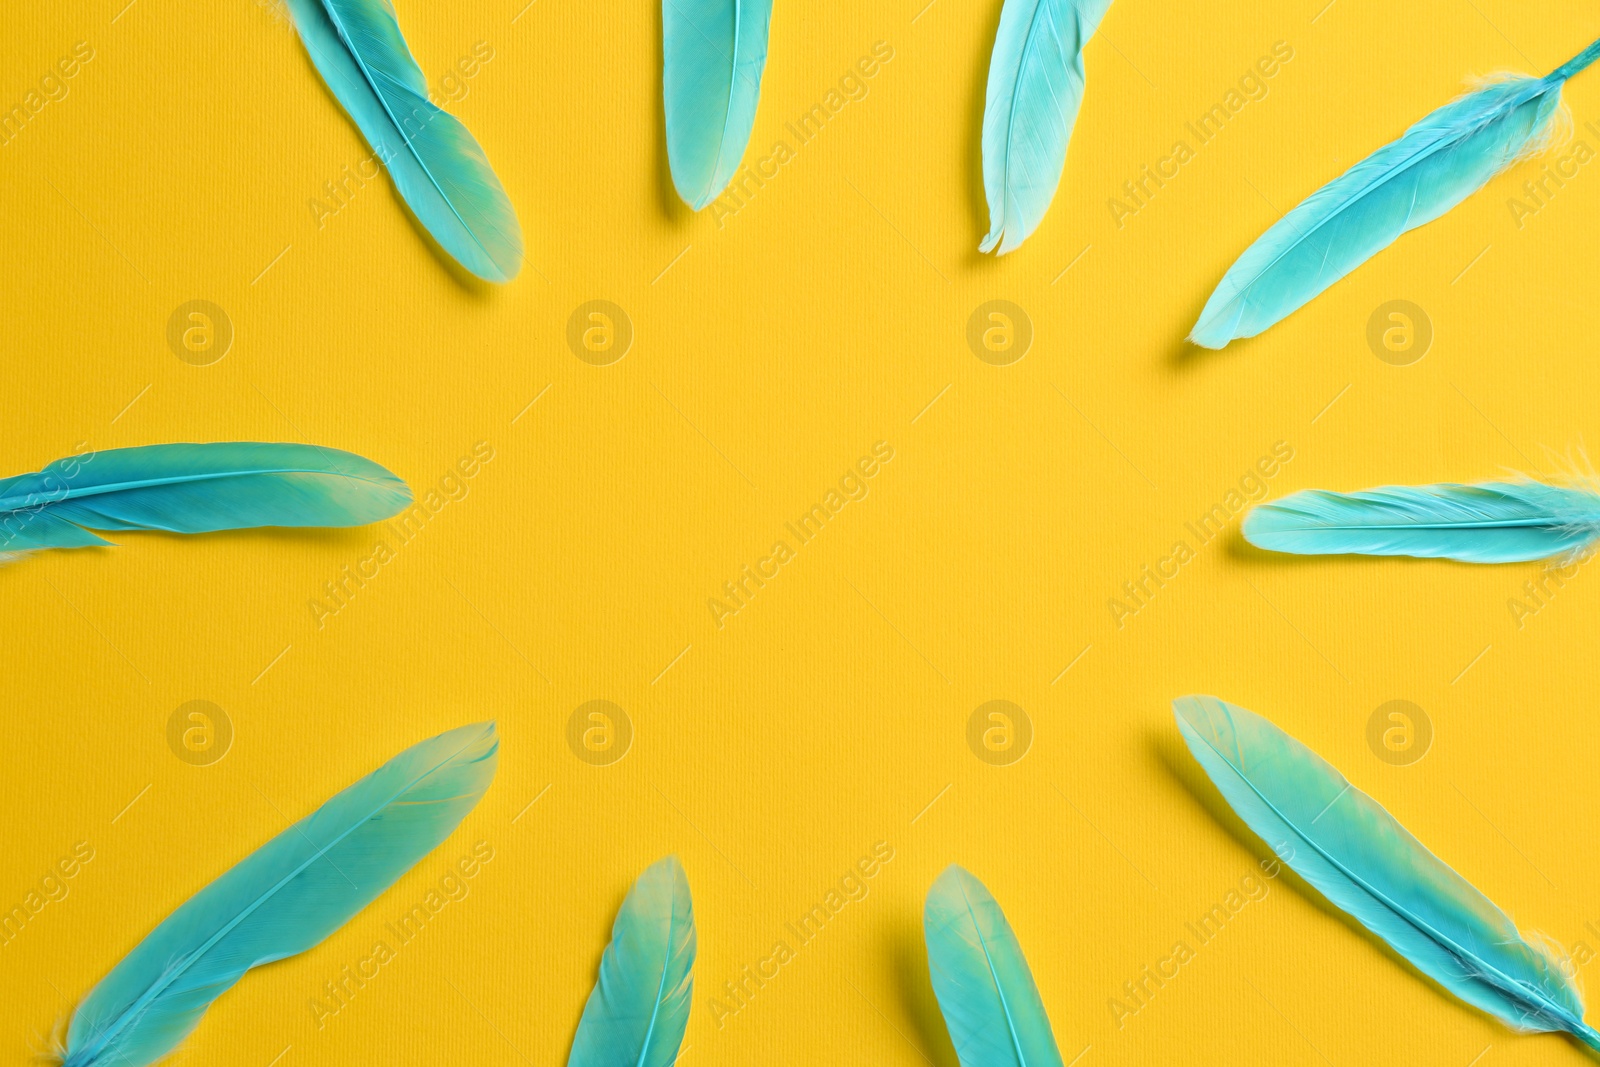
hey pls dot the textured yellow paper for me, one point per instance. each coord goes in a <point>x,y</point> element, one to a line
<point>767,346</point>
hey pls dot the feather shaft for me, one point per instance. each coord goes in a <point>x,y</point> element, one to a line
<point>1493,522</point>
<point>438,167</point>
<point>1362,860</point>
<point>283,899</point>
<point>1031,104</point>
<point>1439,162</point>
<point>1576,63</point>
<point>192,488</point>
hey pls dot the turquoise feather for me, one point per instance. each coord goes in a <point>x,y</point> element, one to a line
<point>638,1010</point>
<point>437,166</point>
<point>192,488</point>
<point>1354,853</point>
<point>713,54</point>
<point>1496,522</point>
<point>1438,163</point>
<point>991,1006</point>
<point>1035,87</point>
<point>284,898</point>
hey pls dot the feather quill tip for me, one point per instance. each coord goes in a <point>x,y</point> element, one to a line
<point>1001,240</point>
<point>1215,329</point>
<point>1207,339</point>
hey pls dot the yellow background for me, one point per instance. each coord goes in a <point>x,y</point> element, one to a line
<point>768,354</point>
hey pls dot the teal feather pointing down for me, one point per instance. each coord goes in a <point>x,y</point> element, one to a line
<point>437,166</point>
<point>283,899</point>
<point>713,55</point>
<point>1035,88</point>
<point>638,1010</point>
<point>1496,522</point>
<point>986,992</point>
<point>192,488</point>
<point>1354,853</point>
<point>1438,163</point>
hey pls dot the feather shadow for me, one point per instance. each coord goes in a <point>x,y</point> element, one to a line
<point>977,197</point>
<point>672,207</point>
<point>1240,551</point>
<point>1183,355</point>
<point>463,278</point>
<point>264,539</point>
<point>268,538</point>
<point>1176,760</point>
<point>907,950</point>
<point>1237,548</point>
<point>469,283</point>
<point>592,974</point>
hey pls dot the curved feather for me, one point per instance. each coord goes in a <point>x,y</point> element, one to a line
<point>436,164</point>
<point>1035,88</point>
<point>713,54</point>
<point>1495,522</point>
<point>193,488</point>
<point>1354,853</point>
<point>284,898</point>
<point>637,1011</point>
<point>1439,162</point>
<point>991,1006</point>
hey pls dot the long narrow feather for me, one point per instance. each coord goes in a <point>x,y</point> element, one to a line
<point>1354,853</point>
<point>436,164</point>
<point>1438,163</point>
<point>287,896</point>
<point>713,54</point>
<point>991,1006</point>
<point>638,1010</point>
<point>1495,522</point>
<point>192,488</point>
<point>1035,88</point>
